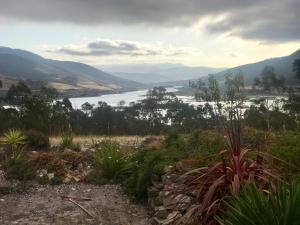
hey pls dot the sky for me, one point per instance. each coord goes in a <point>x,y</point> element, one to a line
<point>214,33</point>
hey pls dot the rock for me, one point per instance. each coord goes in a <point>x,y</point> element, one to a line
<point>168,169</point>
<point>153,192</point>
<point>42,173</point>
<point>172,218</point>
<point>161,212</point>
<point>168,179</point>
<point>67,179</point>
<point>157,185</point>
<point>169,202</point>
<point>50,176</point>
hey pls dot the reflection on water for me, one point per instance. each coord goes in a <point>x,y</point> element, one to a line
<point>134,96</point>
<point>114,99</point>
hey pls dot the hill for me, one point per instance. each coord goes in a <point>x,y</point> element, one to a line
<point>16,64</point>
<point>158,73</point>
<point>283,66</point>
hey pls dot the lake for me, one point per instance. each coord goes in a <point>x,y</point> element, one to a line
<point>114,99</point>
<point>134,96</point>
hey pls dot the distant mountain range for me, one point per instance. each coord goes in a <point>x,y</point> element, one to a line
<point>282,65</point>
<point>158,73</point>
<point>81,79</point>
<point>18,64</point>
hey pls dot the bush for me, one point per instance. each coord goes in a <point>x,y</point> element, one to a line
<point>286,146</point>
<point>254,206</point>
<point>37,140</point>
<point>149,165</point>
<point>110,161</point>
<point>51,164</point>
<point>72,157</point>
<point>17,166</point>
<point>205,143</point>
<point>66,140</point>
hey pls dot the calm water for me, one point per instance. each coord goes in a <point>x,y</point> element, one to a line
<point>134,96</point>
<point>114,99</point>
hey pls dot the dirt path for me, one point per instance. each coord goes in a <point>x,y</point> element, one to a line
<point>43,205</point>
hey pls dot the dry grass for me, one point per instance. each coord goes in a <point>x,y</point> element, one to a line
<point>62,86</point>
<point>93,85</point>
<point>123,140</point>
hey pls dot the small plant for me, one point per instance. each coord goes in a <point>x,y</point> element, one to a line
<point>111,161</point>
<point>37,140</point>
<point>17,166</point>
<point>67,139</point>
<point>14,139</point>
<point>255,206</point>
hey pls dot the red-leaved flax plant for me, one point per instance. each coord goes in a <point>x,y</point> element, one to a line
<point>211,184</point>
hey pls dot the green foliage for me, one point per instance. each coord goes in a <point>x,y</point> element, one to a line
<point>66,139</point>
<point>37,140</point>
<point>150,164</point>
<point>286,146</point>
<point>14,139</point>
<point>110,161</point>
<point>256,207</point>
<point>17,166</point>
<point>205,143</point>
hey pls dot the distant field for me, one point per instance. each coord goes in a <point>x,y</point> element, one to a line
<point>124,140</point>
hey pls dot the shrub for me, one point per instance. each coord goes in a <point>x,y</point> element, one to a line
<point>72,157</point>
<point>17,166</point>
<point>37,140</point>
<point>286,147</point>
<point>66,139</point>
<point>254,206</point>
<point>149,165</point>
<point>50,163</point>
<point>15,162</point>
<point>205,143</point>
<point>110,161</point>
<point>41,160</point>
<point>14,139</point>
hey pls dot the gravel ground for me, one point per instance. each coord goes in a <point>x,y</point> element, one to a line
<point>43,205</point>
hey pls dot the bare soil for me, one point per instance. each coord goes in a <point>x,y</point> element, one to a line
<point>43,205</point>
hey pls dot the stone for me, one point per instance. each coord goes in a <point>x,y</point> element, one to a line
<point>153,192</point>
<point>161,212</point>
<point>168,169</point>
<point>50,176</point>
<point>169,202</point>
<point>172,218</point>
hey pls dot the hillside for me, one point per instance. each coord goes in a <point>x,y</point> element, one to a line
<point>283,66</point>
<point>17,64</point>
<point>158,73</point>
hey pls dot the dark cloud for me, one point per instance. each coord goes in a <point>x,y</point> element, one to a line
<point>274,20</point>
<point>118,47</point>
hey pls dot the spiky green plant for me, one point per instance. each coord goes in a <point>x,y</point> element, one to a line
<point>14,139</point>
<point>111,160</point>
<point>256,207</point>
<point>66,139</point>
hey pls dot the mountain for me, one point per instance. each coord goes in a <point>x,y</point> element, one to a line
<point>158,73</point>
<point>282,65</point>
<point>16,64</point>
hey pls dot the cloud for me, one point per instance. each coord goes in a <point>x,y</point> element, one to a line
<point>270,20</point>
<point>105,47</point>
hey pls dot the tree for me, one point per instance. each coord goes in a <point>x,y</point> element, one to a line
<point>269,83</point>
<point>17,93</point>
<point>296,69</point>
<point>87,107</point>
